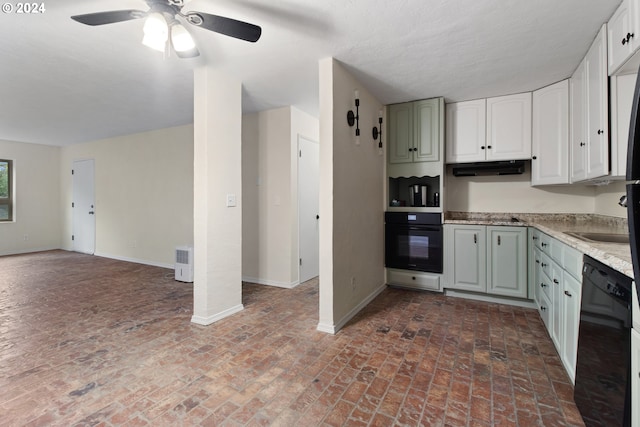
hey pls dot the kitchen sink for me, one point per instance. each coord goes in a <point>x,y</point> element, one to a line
<point>600,237</point>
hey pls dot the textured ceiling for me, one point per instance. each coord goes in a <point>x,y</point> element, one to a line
<point>62,82</point>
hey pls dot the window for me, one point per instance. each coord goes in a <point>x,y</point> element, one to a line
<point>6,191</point>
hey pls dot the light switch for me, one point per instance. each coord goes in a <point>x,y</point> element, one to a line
<point>231,200</point>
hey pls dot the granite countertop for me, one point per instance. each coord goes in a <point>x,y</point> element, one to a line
<point>615,255</point>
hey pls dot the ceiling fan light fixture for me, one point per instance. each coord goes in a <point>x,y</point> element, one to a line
<point>156,32</point>
<point>181,39</point>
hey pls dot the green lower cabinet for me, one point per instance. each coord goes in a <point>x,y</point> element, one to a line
<point>486,259</point>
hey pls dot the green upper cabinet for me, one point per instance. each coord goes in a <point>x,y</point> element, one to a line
<point>401,133</point>
<point>414,131</point>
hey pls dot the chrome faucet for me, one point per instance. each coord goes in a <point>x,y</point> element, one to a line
<point>623,201</point>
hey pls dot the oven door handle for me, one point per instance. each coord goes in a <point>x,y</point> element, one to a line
<point>424,228</point>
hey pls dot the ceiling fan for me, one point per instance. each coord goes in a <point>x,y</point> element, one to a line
<point>163,24</point>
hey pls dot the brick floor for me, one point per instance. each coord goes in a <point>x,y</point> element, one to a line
<point>92,341</point>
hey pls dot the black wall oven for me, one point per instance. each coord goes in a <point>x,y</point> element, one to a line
<point>413,241</point>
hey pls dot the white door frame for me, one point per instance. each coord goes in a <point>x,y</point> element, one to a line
<point>83,206</point>
<point>312,262</point>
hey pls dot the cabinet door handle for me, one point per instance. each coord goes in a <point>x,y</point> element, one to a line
<point>534,158</point>
<point>556,281</point>
<point>624,41</point>
<point>537,261</point>
<point>498,240</point>
<point>600,131</point>
<point>582,144</point>
<point>542,285</point>
<point>567,293</point>
<point>535,237</point>
<point>488,147</point>
<point>543,308</point>
<point>475,238</point>
<point>544,265</point>
<point>543,244</point>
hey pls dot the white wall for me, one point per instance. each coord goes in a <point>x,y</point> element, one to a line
<point>607,198</point>
<point>270,188</point>
<point>513,193</point>
<point>144,194</point>
<point>37,198</point>
<point>351,200</point>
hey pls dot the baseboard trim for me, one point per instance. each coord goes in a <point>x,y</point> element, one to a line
<point>268,282</point>
<point>490,298</point>
<point>135,260</point>
<point>206,321</point>
<point>31,250</point>
<point>333,329</point>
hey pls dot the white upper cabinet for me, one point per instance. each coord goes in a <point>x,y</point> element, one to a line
<point>590,114</point>
<point>621,92</point>
<point>578,119</point>
<point>509,127</point>
<point>550,144</point>
<point>598,110</point>
<point>486,130</point>
<point>465,131</point>
<point>622,33</point>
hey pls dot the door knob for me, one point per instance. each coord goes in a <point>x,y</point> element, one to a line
<point>317,216</point>
<point>91,212</point>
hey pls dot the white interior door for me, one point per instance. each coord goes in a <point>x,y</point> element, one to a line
<point>84,218</point>
<point>308,208</point>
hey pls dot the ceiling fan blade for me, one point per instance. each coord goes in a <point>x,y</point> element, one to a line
<point>101,18</point>
<point>227,26</point>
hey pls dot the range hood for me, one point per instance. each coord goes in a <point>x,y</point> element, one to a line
<point>509,167</point>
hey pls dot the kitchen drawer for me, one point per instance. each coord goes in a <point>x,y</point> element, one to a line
<point>535,236</point>
<point>556,250</point>
<point>414,279</point>
<point>572,262</point>
<point>544,307</point>
<point>545,264</point>
<point>545,243</point>
<point>545,285</point>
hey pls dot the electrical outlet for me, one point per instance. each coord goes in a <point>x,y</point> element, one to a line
<point>231,200</point>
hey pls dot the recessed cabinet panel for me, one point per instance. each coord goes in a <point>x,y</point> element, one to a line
<point>621,90</point>
<point>550,145</point>
<point>427,131</point>
<point>509,127</point>
<point>557,333</point>
<point>571,314</point>
<point>508,260</point>
<point>578,120</point>
<point>400,133</point>
<point>466,131</point>
<point>469,258</point>
<point>619,30</point>
<point>598,111</point>
<point>590,113</point>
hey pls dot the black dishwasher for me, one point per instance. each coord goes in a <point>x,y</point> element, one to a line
<point>603,370</point>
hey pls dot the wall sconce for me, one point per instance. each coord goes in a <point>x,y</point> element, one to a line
<point>355,118</point>
<point>378,133</point>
